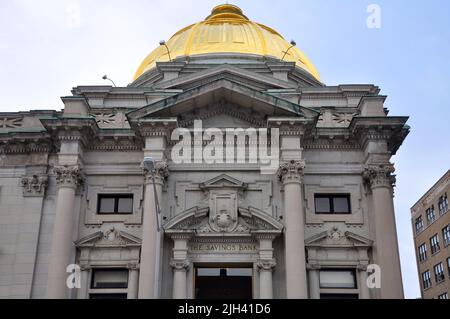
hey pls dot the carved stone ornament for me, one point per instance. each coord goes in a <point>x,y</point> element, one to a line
<point>160,172</point>
<point>34,185</point>
<point>379,175</point>
<point>68,175</point>
<point>179,265</point>
<point>266,265</point>
<point>291,171</point>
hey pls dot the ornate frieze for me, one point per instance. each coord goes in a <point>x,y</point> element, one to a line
<point>68,175</point>
<point>379,175</point>
<point>266,265</point>
<point>12,122</point>
<point>291,171</point>
<point>179,265</point>
<point>34,185</point>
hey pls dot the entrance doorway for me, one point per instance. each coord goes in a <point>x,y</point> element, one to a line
<point>223,282</point>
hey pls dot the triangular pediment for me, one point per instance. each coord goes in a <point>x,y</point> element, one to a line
<point>223,181</point>
<point>214,92</point>
<point>251,221</point>
<point>337,238</point>
<point>111,238</point>
<point>229,72</point>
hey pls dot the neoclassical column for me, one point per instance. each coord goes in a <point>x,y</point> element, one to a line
<point>150,235</point>
<point>380,180</point>
<point>82,292</point>
<point>363,288</point>
<point>180,268</point>
<point>265,268</point>
<point>68,178</point>
<point>291,175</point>
<point>133,280</point>
<point>180,264</point>
<point>314,281</point>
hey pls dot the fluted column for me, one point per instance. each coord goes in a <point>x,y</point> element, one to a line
<point>314,281</point>
<point>150,235</point>
<point>291,175</point>
<point>380,179</point>
<point>68,178</point>
<point>265,278</point>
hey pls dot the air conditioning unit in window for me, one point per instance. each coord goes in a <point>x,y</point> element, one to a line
<point>440,277</point>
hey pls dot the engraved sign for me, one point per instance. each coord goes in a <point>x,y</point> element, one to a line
<point>223,247</point>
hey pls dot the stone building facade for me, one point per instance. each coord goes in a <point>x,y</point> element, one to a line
<point>431,228</point>
<point>75,197</point>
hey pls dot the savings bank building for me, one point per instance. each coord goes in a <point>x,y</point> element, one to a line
<point>226,169</point>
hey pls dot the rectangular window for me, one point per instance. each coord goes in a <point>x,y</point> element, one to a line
<point>332,204</point>
<point>443,296</point>
<point>109,279</point>
<point>426,279</point>
<point>439,273</point>
<point>448,266</point>
<point>434,243</point>
<point>419,224</point>
<point>446,235</point>
<point>431,216</point>
<point>115,204</point>
<point>443,204</point>
<point>423,252</point>
<point>344,279</point>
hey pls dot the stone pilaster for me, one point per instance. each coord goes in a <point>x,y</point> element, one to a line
<point>291,175</point>
<point>133,281</point>
<point>151,237</point>
<point>180,268</point>
<point>68,178</point>
<point>82,293</point>
<point>314,281</point>
<point>379,178</point>
<point>265,268</point>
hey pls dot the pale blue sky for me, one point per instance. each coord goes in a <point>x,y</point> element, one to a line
<point>44,53</point>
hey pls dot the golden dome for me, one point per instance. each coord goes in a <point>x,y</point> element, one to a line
<point>227,30</point>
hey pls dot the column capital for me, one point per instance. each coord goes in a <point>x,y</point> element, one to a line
<point>160,173</point>
<point>291,171</point>
<point>379,175</point>
<point>34,185</point>
<point>179,265</point>
<point>313,266</point>
<point>68,176</point>
<point>266,265</point>
<point>134,265</point>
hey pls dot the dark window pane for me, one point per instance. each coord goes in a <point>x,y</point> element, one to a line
<point>322,205</point>
<point>125,205</point>
<point>114,278</point>
<point>108,296</point>
<point>106,205</point>
<point>341,205</point>
<point>338,296</point>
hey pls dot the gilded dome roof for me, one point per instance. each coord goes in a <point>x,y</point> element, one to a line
<point>227,30</point>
